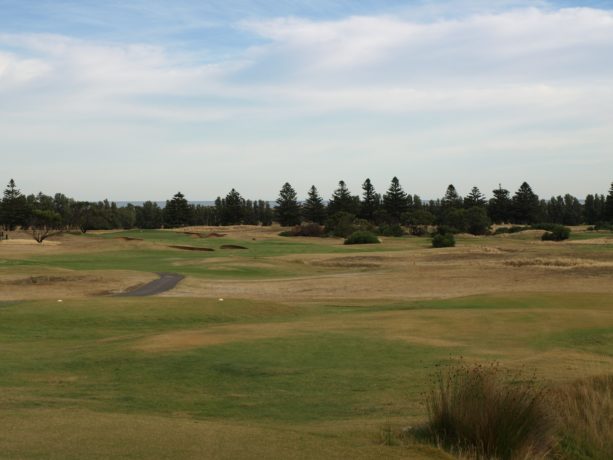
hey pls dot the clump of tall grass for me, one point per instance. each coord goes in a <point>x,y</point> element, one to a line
<point>585,411</point>
<point>485,412</point>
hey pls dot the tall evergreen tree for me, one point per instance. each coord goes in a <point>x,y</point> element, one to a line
<point>499,207</point>
<point>313,209</point>
<point>525,205</point>
<point>395,201</point>
<point>177,212</point>
<point>233,208</point>
<point>149,215</point>
<point>451,198</point>
<point>14,210</point>
<point>343,201</point>
<point>370,201</point>
<point>572,211</point>
<point>475,198</point>
<point>608,208</point>
<point>287,210</point>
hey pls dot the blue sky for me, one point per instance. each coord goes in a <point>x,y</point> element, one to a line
<point>136,100</point>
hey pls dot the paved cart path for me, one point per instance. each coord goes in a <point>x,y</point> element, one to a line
<point>165,282</point>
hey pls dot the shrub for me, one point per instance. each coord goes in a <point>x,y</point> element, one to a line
<point>362,237</point>
<point>487,413</point>
<point>391,230</point>
<point>501,230</point>
<point>340,224</point>
<point>418,231</point>
<point>446,240</point>
<point>477,221</point>
<point>315,230</point>
<point>544,226</point>
<point>557,233</point>
<point>604,226</point>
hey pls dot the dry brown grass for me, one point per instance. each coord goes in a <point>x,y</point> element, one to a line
<point>55,283</point>
<point>60,434</point>
<point>585,409</point>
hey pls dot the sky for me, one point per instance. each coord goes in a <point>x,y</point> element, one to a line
<point>136,100</point>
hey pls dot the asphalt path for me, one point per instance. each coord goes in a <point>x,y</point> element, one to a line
<point>165,282</point>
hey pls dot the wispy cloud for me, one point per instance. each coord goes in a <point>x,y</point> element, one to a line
<point>530,80</point>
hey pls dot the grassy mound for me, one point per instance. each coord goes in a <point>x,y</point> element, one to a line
<point>362,237</point>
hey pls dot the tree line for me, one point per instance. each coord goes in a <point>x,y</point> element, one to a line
<point>387,211</point>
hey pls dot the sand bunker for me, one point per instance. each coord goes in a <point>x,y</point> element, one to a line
<point>193,234</point>
<point>191,248</point>
<point>27,242</point>
<point>127,238</point>
<point>232,246</point>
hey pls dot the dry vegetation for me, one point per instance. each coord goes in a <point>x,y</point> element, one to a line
<point>287,311</point>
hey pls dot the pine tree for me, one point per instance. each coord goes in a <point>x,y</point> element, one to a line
<point>177,212</point>
<point>370,201</point>
<point>313,209</point>
<point>451,198</point>
<point>608,207</point>
<point>287,210</point>
<point>475,198</point>
<point>14,210</point>
<point>525,205</point>
<point>499,207</point>
<point>395,201</point>
<point>233,208</point>
<point>343,201</point>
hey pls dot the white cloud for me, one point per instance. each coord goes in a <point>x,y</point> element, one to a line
<point>526,80</point>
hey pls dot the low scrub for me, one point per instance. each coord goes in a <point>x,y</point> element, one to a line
<point>512,229</point>
<point>608,226</point>
<point>444,240</point>
<point>556,233</point>
<point>391,230</point>
<point>483,412</point>
<point>362,237</point>
<point>314,230</point>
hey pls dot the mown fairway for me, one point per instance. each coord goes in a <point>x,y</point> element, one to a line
<point>315,349</point>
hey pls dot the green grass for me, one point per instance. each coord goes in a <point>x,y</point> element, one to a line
<point>594,340</point>
<point>196,263</point>
<point>56,356</point>
<point>590,235</point>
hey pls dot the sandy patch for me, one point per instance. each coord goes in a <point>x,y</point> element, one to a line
<point>24,242</point>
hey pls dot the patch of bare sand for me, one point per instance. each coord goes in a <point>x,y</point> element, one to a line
<point>27,242</point>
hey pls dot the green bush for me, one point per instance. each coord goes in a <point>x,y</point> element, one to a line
<point>391,230</point>
<point>604,226</point>
<point>341,224</point>
<point>501,230</point>
<point>557,233</point>
<point>485,412</point>
<point>362,237</point>
<point>511,229</point>
<point>446,240</point>
<point>544,226</point>
<point>477,221</point>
